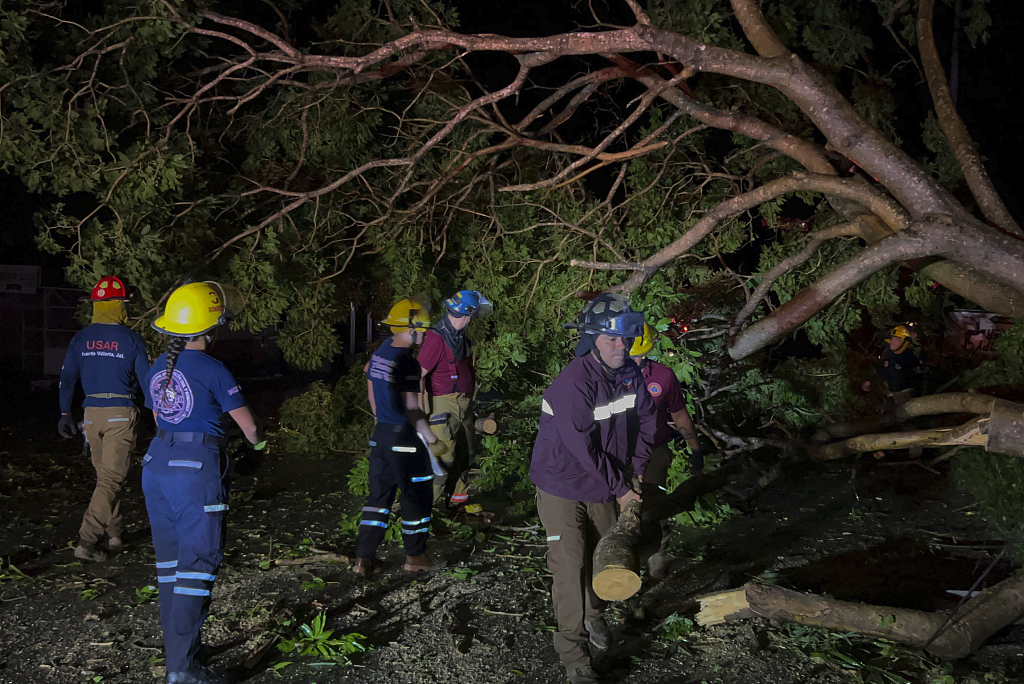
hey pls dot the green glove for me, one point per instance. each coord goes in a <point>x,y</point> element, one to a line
<point>261,446</point>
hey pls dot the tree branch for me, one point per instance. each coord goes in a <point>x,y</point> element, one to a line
<point>788,264</point>
<point>888,210</point>
<point>964,148</point>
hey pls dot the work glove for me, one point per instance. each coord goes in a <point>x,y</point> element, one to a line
<point>436,450</point>
<point>67,427</point>
<point>696,461</point>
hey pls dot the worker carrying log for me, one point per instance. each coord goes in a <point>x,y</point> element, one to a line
<point>670,408</point>
<point>597,427</point>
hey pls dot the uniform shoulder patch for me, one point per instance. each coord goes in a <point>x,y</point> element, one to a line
<point>654,388</point>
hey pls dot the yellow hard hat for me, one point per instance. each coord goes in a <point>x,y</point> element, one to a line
<point>407,314</point>
<point>643,345</point>
<point>900,331</point>
<point>194,309</point>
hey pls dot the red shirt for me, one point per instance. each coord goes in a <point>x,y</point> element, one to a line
<point>445,373</point>
<point>667,394</point>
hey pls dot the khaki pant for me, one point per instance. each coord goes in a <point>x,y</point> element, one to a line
<point>111,434</point>
<point>573,528</point>
<point>451,419</point>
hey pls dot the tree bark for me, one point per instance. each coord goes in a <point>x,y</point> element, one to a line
<point>977,620</point>
<point>964,148</point>
<point>616,570</point>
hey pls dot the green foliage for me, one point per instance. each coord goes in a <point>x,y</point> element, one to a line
<point>315,641</point>
<point>324,421</point>
<point>146,594</point>
<point>676,627</point>
<point>997,482</point>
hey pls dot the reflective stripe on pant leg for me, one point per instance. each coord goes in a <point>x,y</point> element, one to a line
<point>564,521</point>
<point>165,543</point>
<point>200,536</point>
<point>383,485</point>
<point>417,502</point>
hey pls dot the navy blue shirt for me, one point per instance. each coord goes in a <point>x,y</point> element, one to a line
<point>392,370</point>
<point>110,359</point>
<point>201,391</point>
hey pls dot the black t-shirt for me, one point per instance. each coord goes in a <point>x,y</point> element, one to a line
<point>392,370</point>
<point>898,370</point>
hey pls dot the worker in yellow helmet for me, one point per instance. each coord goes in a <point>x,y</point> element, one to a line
<point>899,367</point>
<point>183,474</point>
<point>670,404</point>
<point>403,450</point>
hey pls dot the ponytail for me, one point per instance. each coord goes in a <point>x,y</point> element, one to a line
<point>175,346</point>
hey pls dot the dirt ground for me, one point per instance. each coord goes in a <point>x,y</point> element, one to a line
<point>900,536</point>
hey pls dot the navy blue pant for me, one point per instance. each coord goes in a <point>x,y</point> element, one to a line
<point>398,460</point>
<point>186,497</point>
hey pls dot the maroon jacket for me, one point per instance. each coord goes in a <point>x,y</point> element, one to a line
<point>445,373</point>
<point>667,394</point>
<point>596,429</point>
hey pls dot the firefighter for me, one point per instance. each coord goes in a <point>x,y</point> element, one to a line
<point>448,386</point>
<point>401,444</point>
<point>899,367</point>
<point>670,405</point>
<point>597,426</point>
<point>184,474</point>
<point>111,361</point>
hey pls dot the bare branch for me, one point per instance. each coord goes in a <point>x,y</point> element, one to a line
<point>788,264</point>
<point>889,211</point>
<point>964,148</point>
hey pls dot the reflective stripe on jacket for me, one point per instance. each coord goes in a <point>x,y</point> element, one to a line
<point>596,429</point>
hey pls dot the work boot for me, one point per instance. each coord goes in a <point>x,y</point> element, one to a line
<point>88,552</point>
<point>197,675</point>
<point>363,566</point>
<point>581,675</point>
<point>423,563</point>
<point>598,633</point>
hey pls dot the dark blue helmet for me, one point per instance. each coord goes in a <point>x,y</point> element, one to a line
<point>468,303</point>
<point>609,314</point>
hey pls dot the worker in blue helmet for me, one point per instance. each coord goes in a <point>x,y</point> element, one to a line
<point>597,427</point>
<point>447,390</point>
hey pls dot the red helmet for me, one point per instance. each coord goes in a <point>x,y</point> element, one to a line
<point>110,287</point>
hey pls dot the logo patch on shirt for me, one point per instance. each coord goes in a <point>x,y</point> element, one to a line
<point>233,390</point>
<point>628,382</point>
<point>654,388</point>
<point>177,405</point>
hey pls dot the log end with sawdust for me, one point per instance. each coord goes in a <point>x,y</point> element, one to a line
<point>616,570</point>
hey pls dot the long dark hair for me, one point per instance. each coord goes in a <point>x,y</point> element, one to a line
<point>175,346</point>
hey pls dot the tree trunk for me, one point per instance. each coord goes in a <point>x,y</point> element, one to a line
<point>616,571</point>
<point>616,558</point>
<point>976,621</point>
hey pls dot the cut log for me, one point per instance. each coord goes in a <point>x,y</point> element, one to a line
<point>487,425</point>
<point>976,621</point>
<point>616,571</point>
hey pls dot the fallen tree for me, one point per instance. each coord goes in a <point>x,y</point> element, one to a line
<point>999,428</point>
<point>977,620</point>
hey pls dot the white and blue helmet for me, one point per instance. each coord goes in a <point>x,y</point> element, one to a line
<point>468,303</point>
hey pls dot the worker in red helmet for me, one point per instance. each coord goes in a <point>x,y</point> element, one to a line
<point>670,403</point>
<point>110,360</point>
